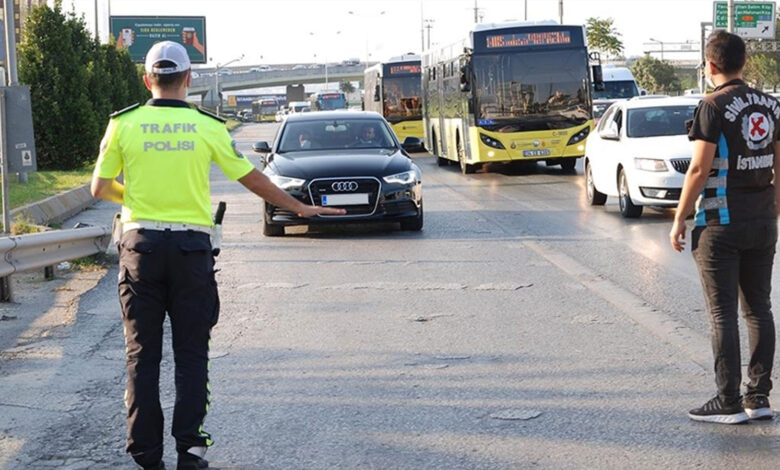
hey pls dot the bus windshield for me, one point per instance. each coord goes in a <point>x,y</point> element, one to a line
<point>531,91</point>
<point>402,98</point>
<point>329,101</point>
<point>618,89</point>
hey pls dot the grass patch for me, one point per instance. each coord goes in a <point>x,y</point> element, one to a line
<point>94,262</point>
<point>232,124</point>
<point>43,184</point>
<point>23,224</point>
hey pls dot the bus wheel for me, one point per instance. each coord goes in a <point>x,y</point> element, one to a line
<point>568,164</point>
<point>465,168</point>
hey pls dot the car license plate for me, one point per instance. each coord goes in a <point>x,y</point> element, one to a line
<point>345,199</point>
<point>536,153</point>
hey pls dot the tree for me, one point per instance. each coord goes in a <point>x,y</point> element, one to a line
<point>347,87</point>
<point>603,37</point>
<point>761,71</point>
<point>53,61</point>
<point>75,83</point>
<point>656,76</point>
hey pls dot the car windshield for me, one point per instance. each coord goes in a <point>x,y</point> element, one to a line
<point>335,134</point>
<point>616,89</point>
<point>659,121</point>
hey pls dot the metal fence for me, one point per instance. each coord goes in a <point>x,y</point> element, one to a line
<point>41,250</point>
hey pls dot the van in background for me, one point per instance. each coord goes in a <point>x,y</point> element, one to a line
<point>619,84</point>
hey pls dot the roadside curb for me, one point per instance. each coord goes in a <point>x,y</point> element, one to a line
<point>56,208</point>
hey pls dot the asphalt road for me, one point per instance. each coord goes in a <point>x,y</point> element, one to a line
<point>519,329</point>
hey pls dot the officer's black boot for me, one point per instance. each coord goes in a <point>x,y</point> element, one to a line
<point>159,466</point>
<point>189,461</point>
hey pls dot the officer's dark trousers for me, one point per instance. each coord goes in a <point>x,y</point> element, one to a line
<point>735,266</point>
<point>173,272</point>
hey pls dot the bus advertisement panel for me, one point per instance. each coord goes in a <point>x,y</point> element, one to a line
<point>509,92</point>
<point>328,100</point>
<point>394,90</point>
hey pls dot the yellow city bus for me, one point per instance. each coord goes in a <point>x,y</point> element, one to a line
<point>393,90</point>
<point>509,92</point>
<point>264,110</point>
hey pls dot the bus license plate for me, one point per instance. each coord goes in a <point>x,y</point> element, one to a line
<point>536,153</point>
<point>345,199</point>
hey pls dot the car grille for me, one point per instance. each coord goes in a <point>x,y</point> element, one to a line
<point>370,186</point>
<point>681,164</point>
<point>398,207</point>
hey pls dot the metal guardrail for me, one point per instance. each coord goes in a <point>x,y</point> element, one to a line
<point>39,250</point>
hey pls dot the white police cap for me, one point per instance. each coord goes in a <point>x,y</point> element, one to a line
<point>167,51</point>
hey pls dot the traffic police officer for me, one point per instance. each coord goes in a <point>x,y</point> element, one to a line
<point>733,178</point>
<point>165,149</point>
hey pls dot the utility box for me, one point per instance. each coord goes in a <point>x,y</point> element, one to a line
<point>19,136</point>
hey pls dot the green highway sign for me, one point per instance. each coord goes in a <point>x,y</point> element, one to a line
<point>139,33</point>
<point>753,20</point>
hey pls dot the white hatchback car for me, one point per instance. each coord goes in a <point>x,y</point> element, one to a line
<point>640,153</point>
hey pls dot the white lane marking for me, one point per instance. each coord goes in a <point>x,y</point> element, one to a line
<point>693,344</point>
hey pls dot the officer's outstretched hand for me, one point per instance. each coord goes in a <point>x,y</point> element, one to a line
<point>311,211</point>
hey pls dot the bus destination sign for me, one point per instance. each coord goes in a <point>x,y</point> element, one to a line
<point>404,69</point>
<point>547,38</point>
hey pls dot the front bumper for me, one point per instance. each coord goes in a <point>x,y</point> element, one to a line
<point>390,203</point>
<point>649,188</point>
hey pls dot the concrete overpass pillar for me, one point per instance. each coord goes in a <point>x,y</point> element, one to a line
<point>295,93</point>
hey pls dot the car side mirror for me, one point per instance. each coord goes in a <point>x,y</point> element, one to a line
<point>261,147</point>
<point>465,78</point>
<point>598,78</point>
<point>413,144</point>
<point>642,92</point>
<point>611,132</point>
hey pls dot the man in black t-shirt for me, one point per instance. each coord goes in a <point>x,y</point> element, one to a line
<point>731,179</point>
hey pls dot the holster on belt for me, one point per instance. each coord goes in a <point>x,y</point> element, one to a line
<point>216,232</point>
<point>116,228</point>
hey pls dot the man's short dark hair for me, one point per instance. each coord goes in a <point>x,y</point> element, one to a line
<point>167,80</point>
<point>726,51</point>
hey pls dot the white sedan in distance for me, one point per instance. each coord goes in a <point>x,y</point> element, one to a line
<point>640,153</point>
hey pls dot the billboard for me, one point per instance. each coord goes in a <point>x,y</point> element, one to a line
<point>139,33</point>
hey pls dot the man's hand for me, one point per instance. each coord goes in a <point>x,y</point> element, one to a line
<point>311,211</point>
<point>677,235</point>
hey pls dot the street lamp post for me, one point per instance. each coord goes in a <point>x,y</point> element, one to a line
<point>325,57</point>
<point>216,79</point>
<point>662,46</point>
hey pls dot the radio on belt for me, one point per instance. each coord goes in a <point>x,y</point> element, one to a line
<point>216,236</point>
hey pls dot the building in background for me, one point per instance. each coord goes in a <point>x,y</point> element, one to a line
<point>22,8</point>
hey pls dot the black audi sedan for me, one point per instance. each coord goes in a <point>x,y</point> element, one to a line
<point>346,159</point>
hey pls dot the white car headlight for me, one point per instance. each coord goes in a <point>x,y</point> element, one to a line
<point>406,177</point>
<point>287,183</point>
<point>650,164</point>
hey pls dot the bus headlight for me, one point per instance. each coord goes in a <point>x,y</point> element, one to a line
<point>407,177</point>
<point>579,136</point>
<point>649,164</point>
<point>288,184</point>
<point>491,142</point>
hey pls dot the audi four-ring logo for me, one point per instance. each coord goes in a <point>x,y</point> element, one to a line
<point>344,186</point>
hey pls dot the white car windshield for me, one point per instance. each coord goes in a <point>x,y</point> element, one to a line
<point>659,121</point>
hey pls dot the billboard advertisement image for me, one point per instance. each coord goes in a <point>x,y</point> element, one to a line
<point>139,33</point>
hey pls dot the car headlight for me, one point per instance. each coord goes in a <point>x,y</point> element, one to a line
<point>287,183</point>
<point>406,177</point>
<point>579,136</point>
<point>650,164</point>
<point>491,142</point>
